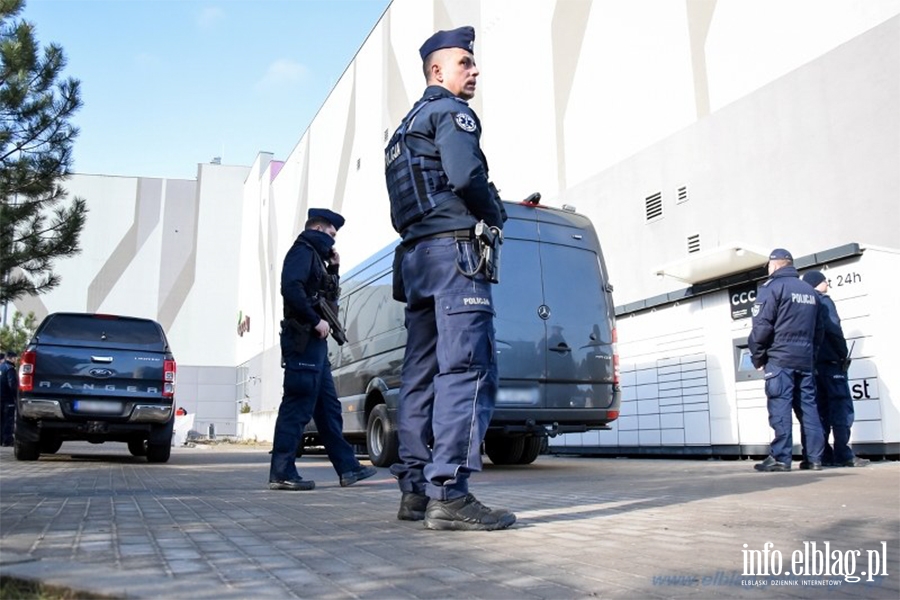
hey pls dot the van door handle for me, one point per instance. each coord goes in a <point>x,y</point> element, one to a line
<point>562,349</point>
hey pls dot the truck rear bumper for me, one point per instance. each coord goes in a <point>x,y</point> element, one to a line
<point>150,413</point>
<point>41,408</point>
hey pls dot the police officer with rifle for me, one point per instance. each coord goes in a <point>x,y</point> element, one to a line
<point>450,219</point>
<point>309,287</point>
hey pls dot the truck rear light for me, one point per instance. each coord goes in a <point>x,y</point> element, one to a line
<point>615,349</point>
<point>169,378</point>
<point>26,371</point>
<point>612,415</point>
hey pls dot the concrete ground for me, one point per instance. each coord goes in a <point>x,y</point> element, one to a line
<point>96,519</point>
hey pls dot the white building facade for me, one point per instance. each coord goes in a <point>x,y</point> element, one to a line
<point>684,130</point>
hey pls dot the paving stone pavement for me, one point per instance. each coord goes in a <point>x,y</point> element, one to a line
<point>204,525</point>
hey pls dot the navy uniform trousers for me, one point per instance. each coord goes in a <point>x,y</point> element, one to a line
<point>7,423</point>
<point>449,379</point>
<point>309,392</point>
<point>835,410</point>
<point>787,389</point>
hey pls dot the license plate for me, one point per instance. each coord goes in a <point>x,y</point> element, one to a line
<point>519,396</point>
<point>97,407</point>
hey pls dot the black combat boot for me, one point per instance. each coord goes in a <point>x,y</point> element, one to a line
<point>466,514</point>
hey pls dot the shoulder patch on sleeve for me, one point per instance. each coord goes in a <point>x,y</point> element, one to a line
<point>464,122</point>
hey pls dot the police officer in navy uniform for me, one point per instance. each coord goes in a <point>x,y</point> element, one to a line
<point>309,276</point>
<point>9,388</point>
<point>832,389</point>
<point>786,330</point>
<point>437,179</point>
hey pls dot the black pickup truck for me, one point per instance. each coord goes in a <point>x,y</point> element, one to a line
<point>99,378</point>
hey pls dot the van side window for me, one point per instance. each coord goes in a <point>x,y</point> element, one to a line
<point>372,310</point>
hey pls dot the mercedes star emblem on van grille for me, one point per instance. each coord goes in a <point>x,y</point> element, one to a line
<point>101,373</point>
<point>544,311</point>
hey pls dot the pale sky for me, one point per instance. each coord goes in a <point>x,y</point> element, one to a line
<point>167,84</point>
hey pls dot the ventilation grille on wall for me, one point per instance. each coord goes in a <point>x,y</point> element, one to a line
<point>653,206</point>
<point>682,195</point>
<point>358,163</point>
<point>693,242</point>
<point>386,134</point>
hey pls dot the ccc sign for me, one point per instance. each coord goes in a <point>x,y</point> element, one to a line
<point>742,298</point>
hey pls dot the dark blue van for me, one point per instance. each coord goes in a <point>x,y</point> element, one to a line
<point>555,331</point>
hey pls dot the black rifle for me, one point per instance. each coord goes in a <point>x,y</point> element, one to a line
<point>845,364</point>
<point>330,315</point>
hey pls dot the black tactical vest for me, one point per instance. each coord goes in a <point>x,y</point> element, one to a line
<point>416,184</point>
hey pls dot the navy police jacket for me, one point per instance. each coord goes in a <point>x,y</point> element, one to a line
<point>301,279</point>
<point>448,130</point>
<point>9,382</point>
<point>787,325</point>
<point>834,346</point>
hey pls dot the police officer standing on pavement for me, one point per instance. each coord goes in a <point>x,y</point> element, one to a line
<point>786,330</point>
<point>832,390</point>
<point>9,388</point>
<point>437,179</point>
<point>310,276</point>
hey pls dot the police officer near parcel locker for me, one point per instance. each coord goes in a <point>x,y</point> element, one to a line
<point>832,390</point>
<point>310,276</point>
<point>437,180</point>
<point>786,330</point>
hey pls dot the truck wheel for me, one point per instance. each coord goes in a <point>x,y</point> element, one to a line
<point>158,453</point>
<point>137,447</point>
<point>381,438</point>
<point>504,450</point>
<point>531,450</point>
<point>27,450</point>
<point>50,445</point>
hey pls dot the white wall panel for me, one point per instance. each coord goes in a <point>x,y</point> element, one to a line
<point>634,84</point>
<point>740,60</point>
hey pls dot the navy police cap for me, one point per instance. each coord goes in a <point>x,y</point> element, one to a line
<point>781,254</point>
<point>462,37</point>
<point>329,215</point>
<point>813,278</point>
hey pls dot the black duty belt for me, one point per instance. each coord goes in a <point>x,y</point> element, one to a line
<point>463,235</point>
<point>460,234</point>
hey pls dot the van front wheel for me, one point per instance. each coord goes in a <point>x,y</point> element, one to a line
<point>381,438</point>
